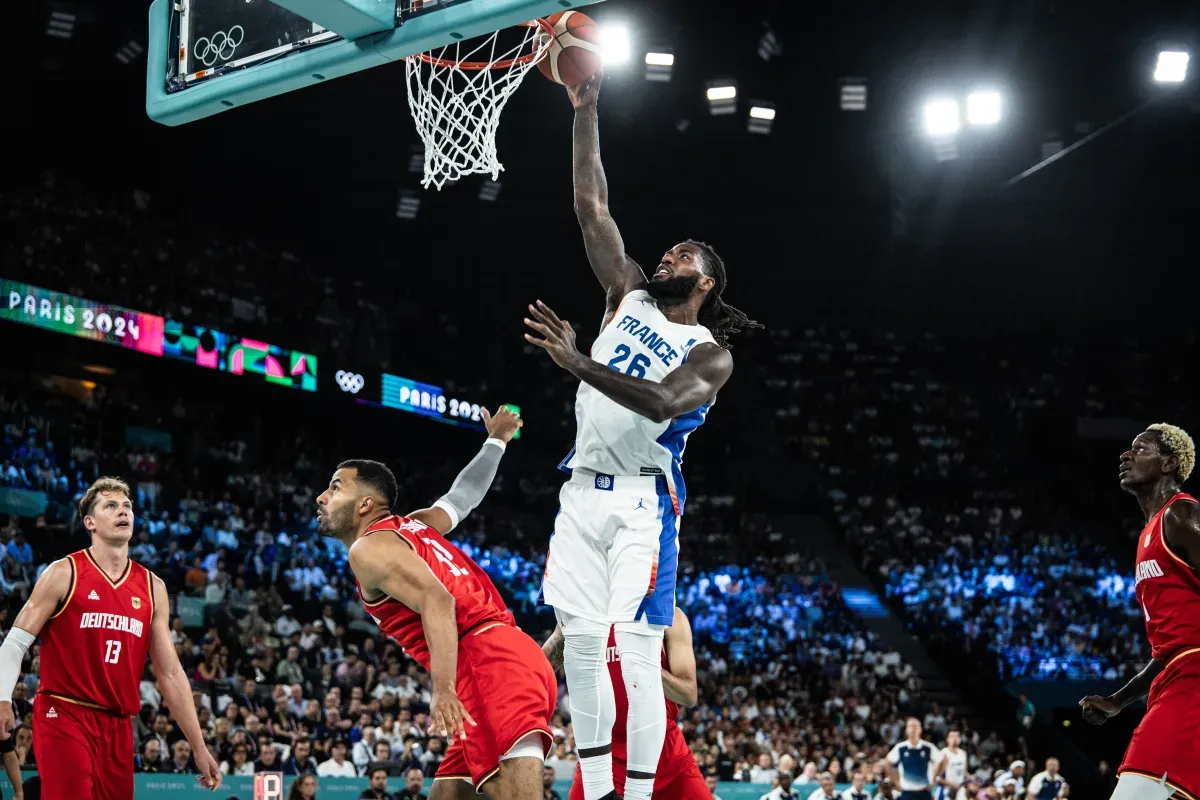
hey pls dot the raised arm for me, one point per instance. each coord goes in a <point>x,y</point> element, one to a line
<point>679,683</point>
<point>47,597</point>
<point>386,564</point>
<point>472,484</point>
<point>618,273</point>
<point>174,686</point>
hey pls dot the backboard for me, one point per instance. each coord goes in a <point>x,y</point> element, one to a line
<point>208,56</point>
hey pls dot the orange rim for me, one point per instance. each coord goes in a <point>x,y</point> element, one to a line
<point>546,27</point>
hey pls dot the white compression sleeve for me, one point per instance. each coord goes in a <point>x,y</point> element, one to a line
<point>647,717</point>
<point>472,483</point>
<point>593,705</point>
<point>12,653</point>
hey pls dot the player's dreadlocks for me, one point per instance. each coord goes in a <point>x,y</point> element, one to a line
<point>721,319</point>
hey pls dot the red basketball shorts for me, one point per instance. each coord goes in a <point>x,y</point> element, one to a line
<point>677,777</point>
<point>1167,740</point>
<point>82,753</point>
<point>508,688</point>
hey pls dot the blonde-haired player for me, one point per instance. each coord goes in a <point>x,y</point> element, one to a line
<point>1163,757</point>
<point>99,614</point>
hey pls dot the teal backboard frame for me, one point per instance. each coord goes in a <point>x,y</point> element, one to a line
<point>307,67</point>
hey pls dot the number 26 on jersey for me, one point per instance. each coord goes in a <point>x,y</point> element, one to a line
<point>636,367</point>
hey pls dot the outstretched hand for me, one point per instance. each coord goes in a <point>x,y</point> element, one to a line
<point>504,425</point>
<point>559,336</point>
<point>587,93</point>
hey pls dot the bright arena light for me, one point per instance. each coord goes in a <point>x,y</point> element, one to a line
<point>1172,66</point>
<point>983,108</point>
<point>941,117</point>
<point>759,112</point>
<point>660,59</point>
<point>614,44</point>
<point>722,93</point>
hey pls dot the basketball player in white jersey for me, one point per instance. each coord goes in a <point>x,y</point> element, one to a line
<point>654,372</point>
<point>952,772</point>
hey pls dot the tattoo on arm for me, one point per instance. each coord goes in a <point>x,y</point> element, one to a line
<point>553,648</point>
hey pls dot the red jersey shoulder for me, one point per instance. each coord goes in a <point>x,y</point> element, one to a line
<point>1152,540</point>
<point>436,550</point>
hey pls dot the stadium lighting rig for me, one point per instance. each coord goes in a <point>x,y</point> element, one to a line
<point>942,117</point>
<point>614,44</point>
<point>489,190</point>
<point>854,94</point>
<point>983,108</point>
<point>722,97</point>
<point>1172,66</point>
<point>659,65</point>
<point>762,117</point>
<point>408,204</point>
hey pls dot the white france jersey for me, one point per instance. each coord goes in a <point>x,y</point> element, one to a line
<point>956,766</point>
<point>640,342</point>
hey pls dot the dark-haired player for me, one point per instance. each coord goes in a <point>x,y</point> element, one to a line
<point>1163,758</point>
<point>98,614</point>
<point>652,376</point>
<point>493,689</point>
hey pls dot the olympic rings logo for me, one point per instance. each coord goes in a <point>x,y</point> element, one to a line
<point>221,46</point>
<point>350,382</point>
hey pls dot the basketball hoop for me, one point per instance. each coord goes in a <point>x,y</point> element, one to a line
<point>456,95</point>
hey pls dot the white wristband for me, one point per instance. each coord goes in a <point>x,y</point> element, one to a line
<point>498,442</point>
<point>451,512</point>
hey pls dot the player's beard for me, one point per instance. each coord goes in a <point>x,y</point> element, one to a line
<point>338,523</point>
<point>673,290</point>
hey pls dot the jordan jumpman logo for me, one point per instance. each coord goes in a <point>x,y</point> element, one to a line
<point>640,505</point>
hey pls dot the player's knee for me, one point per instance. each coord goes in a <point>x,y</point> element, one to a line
<point>641,659</point>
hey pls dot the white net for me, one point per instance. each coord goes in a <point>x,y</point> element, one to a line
<point>456,95</point>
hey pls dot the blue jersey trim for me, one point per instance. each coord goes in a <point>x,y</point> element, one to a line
<point>562,465</point>
<point>659,607</point>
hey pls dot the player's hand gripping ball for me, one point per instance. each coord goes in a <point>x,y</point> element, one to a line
<point>587,93</point>
<point>504,425</point>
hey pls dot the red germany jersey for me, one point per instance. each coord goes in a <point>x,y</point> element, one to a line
<point>1168,590</point>
<point>613,656</point>
<point>94,647</point>
<point>476,601</point>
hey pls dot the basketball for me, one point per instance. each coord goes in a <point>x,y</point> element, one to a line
<point>574,55</point>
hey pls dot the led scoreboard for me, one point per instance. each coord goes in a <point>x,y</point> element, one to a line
<point>87,319</point>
